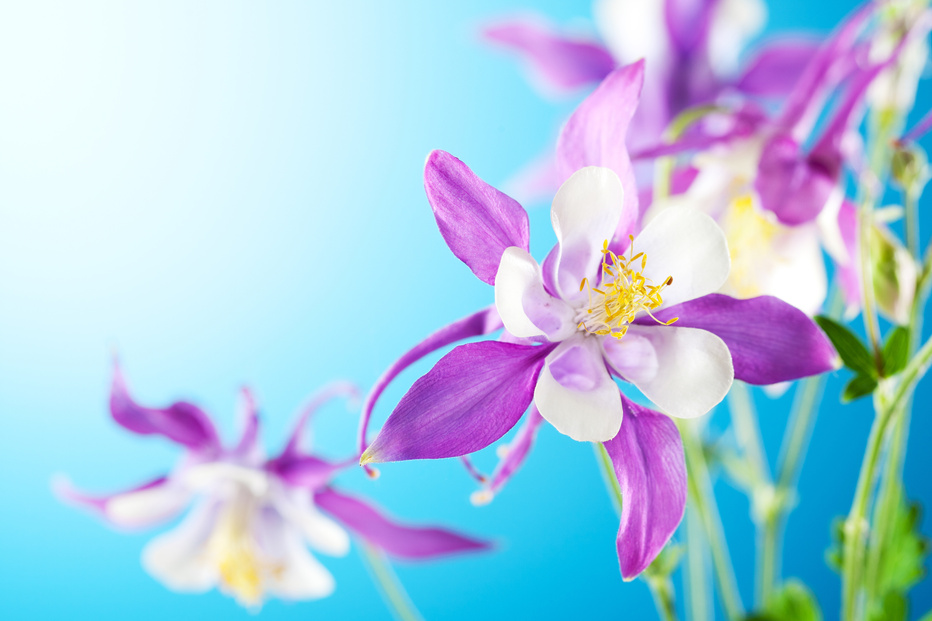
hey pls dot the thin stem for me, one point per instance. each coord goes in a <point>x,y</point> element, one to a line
<point>744,417</point>
<point>608,476</point>
<point>393,593</point>
<point>703,499</point>
<point>697,566</point>
<point>664,597</point>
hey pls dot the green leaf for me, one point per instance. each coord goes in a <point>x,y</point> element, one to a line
<point>896,351</point>
<point>792,602</point>
<point>859,386</point>
<point>904,549</point>
<point>893,607</point>
<point>835,555</point>
<point>852,351</point>
<point>926,617</point>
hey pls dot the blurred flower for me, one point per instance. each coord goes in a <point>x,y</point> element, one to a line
<point>253,517</point>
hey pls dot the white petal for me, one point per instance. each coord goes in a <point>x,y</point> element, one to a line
<point>576,394</point>
<point>526,309</point>
<point>689,246</point>
<point>585,214</point>
<point>795,272</point>
<point>693,368</point>
<point>178,559</point>
<point>634,29</point>
<point>300,576</point>
<point>217,476</point>
<point>148,506</point>
<point>320,531</point>
<point>734,23</point>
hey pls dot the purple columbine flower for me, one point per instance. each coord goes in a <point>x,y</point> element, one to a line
<point>253,518</point>
<point>600,307</point>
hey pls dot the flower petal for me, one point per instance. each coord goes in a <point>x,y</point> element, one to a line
<point>332,390</point>
<point>689,246</point>
<point>846,268</point>
<point>321,532</point>
<point>249,415</point>
<point>526,309</point>
<point>576,394</point>
<point>595,136</point>
<point>770,341</point>
<point>471,398</point>
<point>776,67</point>
<point>484,322</point>
<point>477,221</point>
<point>693,367</point>
<point>305,471</point>
<point>149,504</point>
<point>585,212</point>
<point>562,63</point>
<point>300,576</point>
<point>402,541</point>
<point>177,558</point>
<point>181,422</point>
<point>647,455</point>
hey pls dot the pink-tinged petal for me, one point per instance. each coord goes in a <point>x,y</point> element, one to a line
<point>401,541</point>
<point>327,393</point>
<point>647,455</point>
<point>848,272</point>
<point>919,130</point>
<point>477,221</point>
<point>561,63</point>
<point>524,305</point>
<point>181,422</point>
<point>777,67</point>
<point>484,322</point>
<point>144,506</point>
<point>595,136</point>
<point>576,394</point>
<point>688,23</point>
<point>471,398</point>
<point>770,341</point>
<point>685,371</point>
<point>514,455</point>
<point>584,215</point>
<point>249,415</point>
<point>300,576</point>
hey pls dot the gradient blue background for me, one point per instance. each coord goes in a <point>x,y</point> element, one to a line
<point>230,193</point>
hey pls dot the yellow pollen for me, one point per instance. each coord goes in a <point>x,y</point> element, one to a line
<point>749,231</point>
<point>242,572</point>
<point>623,294</point>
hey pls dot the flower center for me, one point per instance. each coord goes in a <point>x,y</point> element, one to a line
<point>749,233</point>
<point>623,294</point>
<point>231,547</point>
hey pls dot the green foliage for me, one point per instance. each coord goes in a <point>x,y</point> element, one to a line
<point>896,351</point>
<point>859,386</point>
<point>666,562</point>
<point>893,607</point>
<point>853,353</point>
<point>792,602</point>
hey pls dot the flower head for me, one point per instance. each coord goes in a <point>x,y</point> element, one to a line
<point>253,518</point>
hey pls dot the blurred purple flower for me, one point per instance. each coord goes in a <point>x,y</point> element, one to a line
<point>253,517</point>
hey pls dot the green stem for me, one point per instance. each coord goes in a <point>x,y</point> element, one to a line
<point>393,593</point>
<point>696,574</point>
<point>661,588</point>
<point>744,418</point>
<point>703,499</point>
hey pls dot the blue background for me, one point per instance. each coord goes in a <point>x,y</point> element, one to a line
<point>230,193</point>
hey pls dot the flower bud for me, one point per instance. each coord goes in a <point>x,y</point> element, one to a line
<point>894,273</point>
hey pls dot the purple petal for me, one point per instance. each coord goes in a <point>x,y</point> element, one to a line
<point>515,454</point>
<point>595,135</point>
<point>306,471</point>
<point>770,341</point>
<point>484,322</point>
<point>688,23</point>
<point>792,186</point>
<point>919,130</point>
<point>325,394</point>
<point>562,63</point>
<point>826,68</point>
<point>403,541</point>
<point>777,67</point>
<point>147,505</point>
<point>477,221</point>
<point>647,455</point>
<point>181,422</point>
<point>471,398</point>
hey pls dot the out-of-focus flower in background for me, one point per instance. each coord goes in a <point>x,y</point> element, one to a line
<point>253,518</point>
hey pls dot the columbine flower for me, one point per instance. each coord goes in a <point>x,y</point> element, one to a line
<point>601,305</point>
<point>253,518</point>
<point>691,49</point>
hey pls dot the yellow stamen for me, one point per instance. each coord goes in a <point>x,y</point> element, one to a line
<point>624,293</point>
